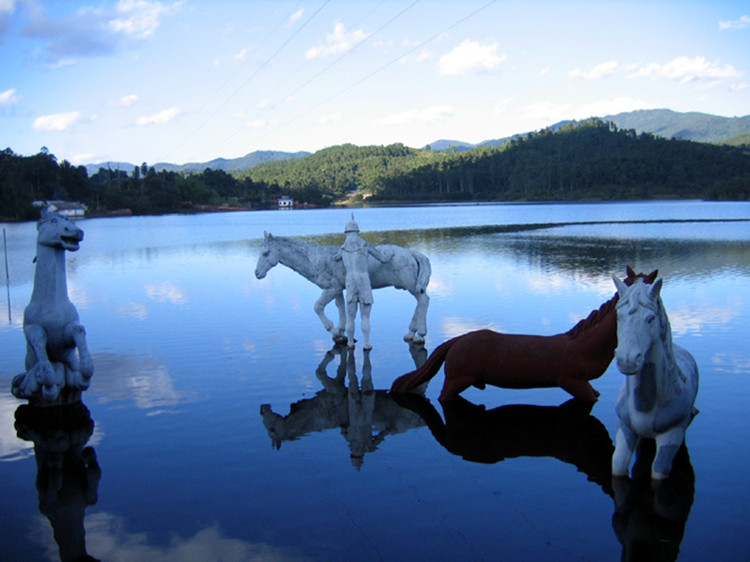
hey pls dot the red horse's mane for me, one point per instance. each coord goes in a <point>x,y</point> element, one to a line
<point>596,315</point>
<point>592,319</point>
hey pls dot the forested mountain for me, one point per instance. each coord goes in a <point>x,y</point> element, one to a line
<point>593,159</point>
<point>700,127</point>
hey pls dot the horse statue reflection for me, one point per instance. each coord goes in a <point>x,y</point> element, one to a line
<point>569,360</point>
<point>364,415</point>
<point>657,398</point>
<point>406,269</point>
<point>567,432</point>
<point>58,362</point>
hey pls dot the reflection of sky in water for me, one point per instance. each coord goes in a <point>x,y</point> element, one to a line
<point>180,327</point>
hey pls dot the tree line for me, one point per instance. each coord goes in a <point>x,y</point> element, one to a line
<point>592,159</point>
<point>25,179</point>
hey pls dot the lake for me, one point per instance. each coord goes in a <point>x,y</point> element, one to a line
<point>170,458</point>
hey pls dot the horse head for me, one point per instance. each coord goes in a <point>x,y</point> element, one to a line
<point>639,323</point>
<point>269,256</point>
<point>56,231</point>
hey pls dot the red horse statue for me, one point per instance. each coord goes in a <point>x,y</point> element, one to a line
<point>568,360</point>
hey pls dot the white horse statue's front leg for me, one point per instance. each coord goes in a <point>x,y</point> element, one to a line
<point>81,364</point>
<point>625,443</point>
<point>667,445</point>
<point>327,296</point>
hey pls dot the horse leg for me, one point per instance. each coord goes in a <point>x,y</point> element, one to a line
<point>456,381</point>
<point>339,336</point>
<point>326,296</point>
<point>579,389</point>
<point>81,364</point>
<point>625,442</point>
<point>418,325</point>
<point>667,445</point>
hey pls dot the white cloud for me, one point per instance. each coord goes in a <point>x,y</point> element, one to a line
<point>427,115</point>
<point>501,107</point>
<point>7,6</point>
<point>551,111</point>
<point>159,118</point>
<point>56,122</point>
<point>126,101</point>
<point>241,56</point>
<point>599,71</point>
<point>8,97</point>
<point>139,17</point>
<point>257,124</point>
<point>741,23</point>
<point>330,118</point>
<point>686,69</point>
<point>167,292</point>
<point>470,57</point>
<point>80,159</point>
<point>296,16</point>
<point>340,41</point>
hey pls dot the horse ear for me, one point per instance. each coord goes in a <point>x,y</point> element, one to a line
<point>267,235</point>
<point>651,277</point>
<point>621,286</point>
<point>656,289</point>
<point>629,271</point>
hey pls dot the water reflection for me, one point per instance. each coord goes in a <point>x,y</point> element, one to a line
<point>567,432</point>
<point>650,516</point>
<point>365,416</point>
<point>68,473</point>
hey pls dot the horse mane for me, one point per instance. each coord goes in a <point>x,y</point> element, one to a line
<point>596,315</point>
<point>296,246</point>
<point>593,318</point>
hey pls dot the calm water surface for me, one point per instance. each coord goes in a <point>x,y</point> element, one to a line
<point>188,346</point>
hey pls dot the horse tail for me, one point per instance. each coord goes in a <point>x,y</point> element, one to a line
<point>422,407</point>
<point>411,380</point>
<point>424,271</point>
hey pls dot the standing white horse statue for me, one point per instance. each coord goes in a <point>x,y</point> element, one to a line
<point>406,269</point>
<point>58,362</point>
<point>657,398</point>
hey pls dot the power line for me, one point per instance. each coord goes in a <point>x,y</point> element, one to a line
<point>330,65</point>
<point>373,73</point>
<point>261,67</point>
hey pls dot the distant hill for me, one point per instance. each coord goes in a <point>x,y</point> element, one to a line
<point>695,126</point>
<point>444,145</point>
<point>700,127</point>
<point>225,164</point>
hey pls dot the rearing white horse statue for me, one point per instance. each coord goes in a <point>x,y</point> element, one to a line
<point>657,398</point>
<point>406,269</point>
<point>58,362</point>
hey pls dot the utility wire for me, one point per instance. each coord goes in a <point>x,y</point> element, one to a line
<point>373,73</point>
<point>328,67</point>
<point>261,67</point>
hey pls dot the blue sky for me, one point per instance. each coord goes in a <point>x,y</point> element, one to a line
<point>192,80</point>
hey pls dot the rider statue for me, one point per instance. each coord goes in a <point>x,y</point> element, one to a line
<point>355,253</point>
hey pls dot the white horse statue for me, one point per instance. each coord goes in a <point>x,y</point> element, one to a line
<point>406,269</point>
<point>657,398</point>
<point>58,362</point>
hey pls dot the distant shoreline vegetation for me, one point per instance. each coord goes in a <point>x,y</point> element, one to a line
<point>588,160</point>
